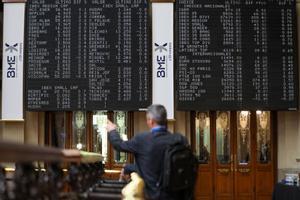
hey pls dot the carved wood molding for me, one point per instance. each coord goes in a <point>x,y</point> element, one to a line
<point>224,171</point>
<point>244,170</point>
<point>14,152</point>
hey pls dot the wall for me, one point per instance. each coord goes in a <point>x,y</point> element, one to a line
<point>34,128</point>
<point>288,143</point>
<point>12,131</point>
<point>29,131</point>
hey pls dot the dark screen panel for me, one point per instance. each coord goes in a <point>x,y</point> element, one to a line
<point>235,55</point>
<point>87,55</point>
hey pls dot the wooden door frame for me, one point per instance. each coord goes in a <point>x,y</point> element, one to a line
<point>274,156</point>
<point>49,126</point>
<point>230,166</point>
<point>238,169</point>
<point>206,168</point>
<point>253,136</point>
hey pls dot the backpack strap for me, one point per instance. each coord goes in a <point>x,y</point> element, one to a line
<point>176,138</point>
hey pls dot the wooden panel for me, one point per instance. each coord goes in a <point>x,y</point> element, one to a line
<point>264,182</point>
<point>244,183</point>
<point>263,197</point>
<point>203,198</point>
<point>224,184</point>
<point>239,197</point>
<point>224,197</point>
<point>204,186</point>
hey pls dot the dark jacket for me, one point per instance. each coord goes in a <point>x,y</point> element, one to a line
<point>148,149</point>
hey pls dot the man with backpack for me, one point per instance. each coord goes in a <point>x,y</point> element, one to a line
<point>162,159</point>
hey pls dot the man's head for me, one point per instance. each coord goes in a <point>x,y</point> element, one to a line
<point>156,115</point>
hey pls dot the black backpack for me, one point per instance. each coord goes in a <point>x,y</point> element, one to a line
<point>179,166</point>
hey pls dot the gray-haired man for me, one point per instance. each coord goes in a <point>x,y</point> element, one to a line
<point>148,149</point>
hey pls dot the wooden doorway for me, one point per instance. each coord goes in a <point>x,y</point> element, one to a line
<point>235,152</point>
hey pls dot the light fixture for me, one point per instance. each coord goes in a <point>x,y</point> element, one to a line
<point>79,146</point>
<point>245,113</point>
<point>258,112</point>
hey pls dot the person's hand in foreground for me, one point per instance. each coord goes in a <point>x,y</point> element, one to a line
<point>110,126</point>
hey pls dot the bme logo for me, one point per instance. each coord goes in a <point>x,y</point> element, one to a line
<point>161,47</point>
<point>11,48</point>
<point>161,60</point>
<point>11,60</point>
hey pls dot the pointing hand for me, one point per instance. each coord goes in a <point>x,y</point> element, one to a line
<point>110,126</point>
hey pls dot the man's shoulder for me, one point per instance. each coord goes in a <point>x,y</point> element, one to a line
<point>178,137</point>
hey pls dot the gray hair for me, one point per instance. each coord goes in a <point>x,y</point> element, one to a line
<point>158,113</point>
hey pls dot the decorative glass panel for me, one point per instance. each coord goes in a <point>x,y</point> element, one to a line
<point>243,137</point>
<point>263,136</point>
<point>79,130</point>
<point>120,119</point>
<point>60,129</point>
<point>100,133</point>
<point>202,137</point>
<point>223,137</point>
